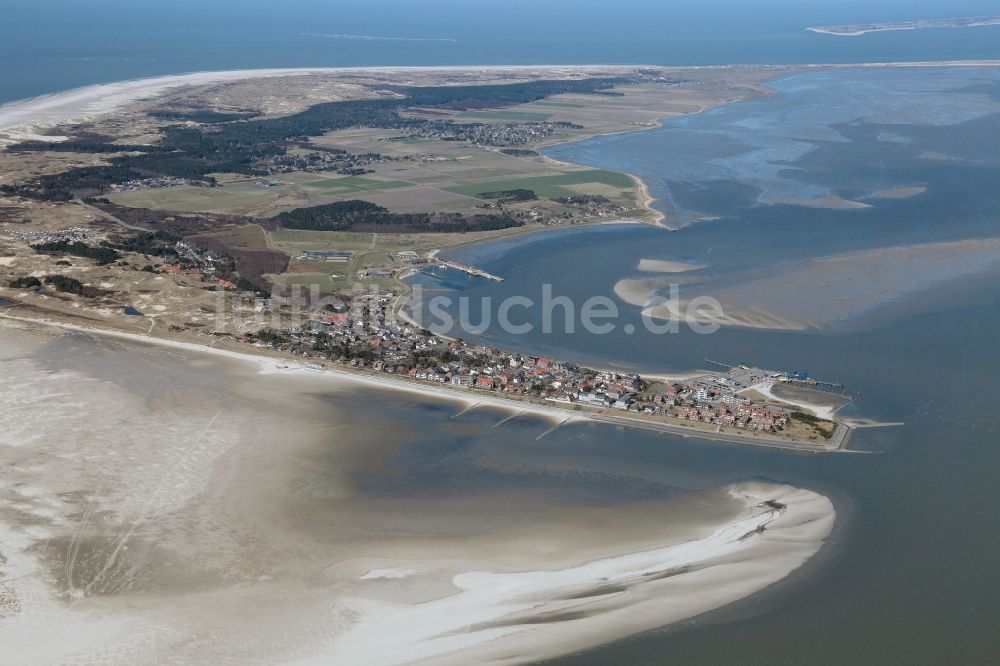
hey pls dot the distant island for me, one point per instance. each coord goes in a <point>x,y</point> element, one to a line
<point>860,29</point>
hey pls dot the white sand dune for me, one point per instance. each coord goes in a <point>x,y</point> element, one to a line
<point>24,117</point>
<point>822,411</point>
<point>507,618</point>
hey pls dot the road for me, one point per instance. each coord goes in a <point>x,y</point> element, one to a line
<point>108,216</point>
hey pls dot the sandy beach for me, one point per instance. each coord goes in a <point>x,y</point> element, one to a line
<point>28,119</point>
<point>510,618</point>
<point>556,413</point>
<point>90,101</point>
<point>272,365</point>
<point>659,217</point>
<point>766,389</point>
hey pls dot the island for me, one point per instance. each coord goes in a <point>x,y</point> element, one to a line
<point>864,28</point>
<point>191,217</point>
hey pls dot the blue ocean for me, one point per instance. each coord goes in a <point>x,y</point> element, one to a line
<point>55,45</point>
<point>910,574</point>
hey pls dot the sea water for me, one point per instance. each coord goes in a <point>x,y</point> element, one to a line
<point>909,575</point>
<point>53,46</point>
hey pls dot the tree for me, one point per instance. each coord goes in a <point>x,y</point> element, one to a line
<point>25,283</point>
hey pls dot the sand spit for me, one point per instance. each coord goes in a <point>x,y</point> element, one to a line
<point>923,24</point>
<point>899,192</point>
<point>829,201</point>
<point>935,156</point>
<point>637,291</point>
<point>509,618</point>
<point>646,201</point>
<point>666,266</point>
<point>190,535</point>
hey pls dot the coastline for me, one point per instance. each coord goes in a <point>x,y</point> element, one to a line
<point>924,24</point>
<point>273,363</point>
<point>20,118</point>
<point>218,458</point>
<point>557,414</point>
<point>492,613</point>
<point>551,410</point>
<point>523,616</point>
<point>761,88</point>
<point>646,198</point>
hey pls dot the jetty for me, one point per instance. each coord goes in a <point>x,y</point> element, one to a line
<point>465,268</point>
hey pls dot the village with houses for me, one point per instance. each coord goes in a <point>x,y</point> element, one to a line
<point>367,336</point>
<point>360,195</point>
<point>364,332</point>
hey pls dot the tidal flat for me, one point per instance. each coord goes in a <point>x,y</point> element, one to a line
<point>161,504</point>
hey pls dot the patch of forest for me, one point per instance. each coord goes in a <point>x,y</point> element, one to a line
<point>358,215</point>
<point>236,145</point>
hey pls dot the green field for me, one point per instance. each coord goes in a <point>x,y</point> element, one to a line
<point>547,186</point>
<point>426,175</point>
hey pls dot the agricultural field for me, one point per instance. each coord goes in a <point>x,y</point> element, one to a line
<point>428,174</point>
<point>447,175</point>
<point>436,175</point>
<point>611,184</point>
